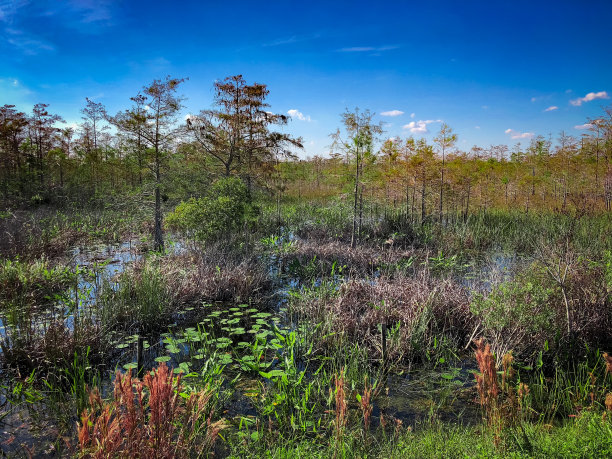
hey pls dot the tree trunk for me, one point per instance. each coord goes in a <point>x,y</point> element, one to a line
<point>355,204</point>
<point>158,235</point>
<point>467,203</point>
<point>423,207</point>
<point>442,184</point>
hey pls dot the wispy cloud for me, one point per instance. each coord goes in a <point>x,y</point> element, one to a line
<point>292,39</point>
<point>9,8</point>
<point>86,16</point>
<point>92,11</point>
<point>412,115</point>
<point>589,97</point>
<point>16,21</point>
<point>519,135</point>
<point>368,49</point>
<point>25,43</point>
<point>392,113</point>
<point>419,127</point>
<point>294,113</point>
<point>583,126</point>
<point>551,108</point>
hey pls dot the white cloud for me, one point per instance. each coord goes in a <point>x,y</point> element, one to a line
<point>519,135</point>
<point>365,49</point>
<point>419,127</point>
<point>533,99</point>
<point>392,113</point>
<point>27,44</point>
<point>412,115</point>
<point>584,126</point>
<point>293,113</point>
<point>589,97</point>
<point>292,39</point>
<point>476,127</point>
<point>551,108</point>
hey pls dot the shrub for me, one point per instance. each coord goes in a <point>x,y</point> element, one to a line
<point>517,315</point>
<point>214,216</point>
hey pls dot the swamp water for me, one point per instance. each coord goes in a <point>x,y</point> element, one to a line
<point>246,340</point>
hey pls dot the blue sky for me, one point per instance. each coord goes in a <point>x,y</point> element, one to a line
<point>488,69</point>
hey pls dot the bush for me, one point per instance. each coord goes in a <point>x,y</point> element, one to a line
<point>214,216</point>
<point>518,315</point>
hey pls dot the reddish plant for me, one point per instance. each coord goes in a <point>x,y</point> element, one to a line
<point>486,380</point>
<point>148,419</point>
<point>488,386</point>
<point>365,403</point>
<point>608,359</point>
<point>341,407</point>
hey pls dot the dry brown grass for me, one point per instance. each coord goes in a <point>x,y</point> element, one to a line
<point>423,305</point>
<point>362,259</point>
<point>193,278</point>
<point>47,346</point>
<point>22,234</point>
<point>590,304</point>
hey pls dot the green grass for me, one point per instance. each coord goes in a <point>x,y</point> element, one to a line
<point>587,436</point>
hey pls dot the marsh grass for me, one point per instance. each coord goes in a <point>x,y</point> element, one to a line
<point>311,380</point>
<point>140,299</point>
<point>416,309</point>
<point>32,284</point>
<point>51,230</point>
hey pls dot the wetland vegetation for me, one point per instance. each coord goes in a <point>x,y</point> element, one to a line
<point>195,289</point>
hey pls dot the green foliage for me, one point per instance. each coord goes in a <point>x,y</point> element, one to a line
<point>214,216</point>
<point>521,301</point>
<point>607,262</point>
<point>519,314</point>
<point>31,283</point>
<point>142,298</point>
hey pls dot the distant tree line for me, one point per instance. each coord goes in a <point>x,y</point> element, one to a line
<point>143,147</point>
<point>147,147</point>
<point>434,180</point>
<point>43,160</point>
